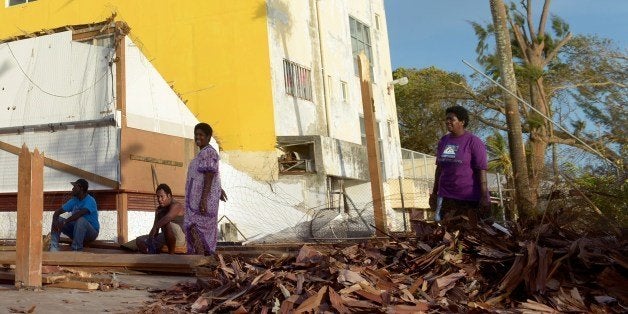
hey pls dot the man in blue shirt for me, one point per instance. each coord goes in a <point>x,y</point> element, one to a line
<point>82,226</point>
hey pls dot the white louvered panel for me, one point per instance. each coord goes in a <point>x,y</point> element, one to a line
<point>91,149</point>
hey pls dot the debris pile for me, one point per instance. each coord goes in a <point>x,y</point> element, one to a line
<point>474,269</point>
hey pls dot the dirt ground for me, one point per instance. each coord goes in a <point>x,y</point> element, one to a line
<point>60,300</point>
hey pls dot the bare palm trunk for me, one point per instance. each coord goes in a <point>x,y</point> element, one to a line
<point>539,131</point>
<point>517,152</point>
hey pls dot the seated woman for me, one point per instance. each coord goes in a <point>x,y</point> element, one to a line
<point>168,218</point>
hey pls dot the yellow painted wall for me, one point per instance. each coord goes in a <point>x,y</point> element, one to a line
<point>214,52</point>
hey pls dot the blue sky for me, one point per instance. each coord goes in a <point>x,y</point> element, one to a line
<point>423,33</point>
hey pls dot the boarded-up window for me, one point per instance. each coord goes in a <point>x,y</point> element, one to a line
<point>297,80</point>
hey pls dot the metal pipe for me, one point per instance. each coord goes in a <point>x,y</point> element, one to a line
<point>321,50</point>
<point>53,127</point>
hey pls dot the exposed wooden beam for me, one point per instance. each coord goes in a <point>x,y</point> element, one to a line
<point>377,188</point>
<point>157,160</point>
<point>57,165</point>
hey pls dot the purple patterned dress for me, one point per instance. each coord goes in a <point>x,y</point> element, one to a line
<point>205,224</point>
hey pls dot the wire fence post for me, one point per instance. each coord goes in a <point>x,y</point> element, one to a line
<point>403,205</point>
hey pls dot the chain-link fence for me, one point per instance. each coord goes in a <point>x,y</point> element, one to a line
<point>341,210</point>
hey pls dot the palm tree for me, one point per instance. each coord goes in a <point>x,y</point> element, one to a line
<point>526,203</point>
<point>499,161</point>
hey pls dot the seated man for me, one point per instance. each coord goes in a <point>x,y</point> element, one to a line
<point>168,218</point>
<point>82,226</point>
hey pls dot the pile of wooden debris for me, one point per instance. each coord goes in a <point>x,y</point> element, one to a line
<point>479,269</point>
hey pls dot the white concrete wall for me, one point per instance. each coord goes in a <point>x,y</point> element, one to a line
<point>294,35</point>
<point>107,219</point>
<point>291,31</point>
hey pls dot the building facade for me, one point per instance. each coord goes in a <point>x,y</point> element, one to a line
<point>276,79</point>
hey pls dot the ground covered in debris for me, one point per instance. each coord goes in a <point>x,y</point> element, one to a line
<point>548,269</point>
<point>125,293</point>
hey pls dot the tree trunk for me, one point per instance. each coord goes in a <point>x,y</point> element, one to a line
<point>517,152</point>
<point>539,128</point>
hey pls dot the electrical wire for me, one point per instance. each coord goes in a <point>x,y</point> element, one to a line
<point>45,91</point>
<point>541,114</point>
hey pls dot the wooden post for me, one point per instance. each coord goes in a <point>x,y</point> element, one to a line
<point>372,149</point>
<point>30,209</point>
<point>123,217</point>
<point>122,29</point>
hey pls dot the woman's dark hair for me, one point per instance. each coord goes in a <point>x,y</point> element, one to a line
<point>164,187</point>
<point>461,113</point>
<point>205,128</point>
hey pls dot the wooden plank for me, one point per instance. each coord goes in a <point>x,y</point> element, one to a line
<point>30,209</point>
<point>377,187</point>
<point>57,165</point>
<point>9,275</point>
<point>123,217</point>
<point>81,285</point>
<point>114,260</point>
<point>157,160</point>
<point>121,73</point>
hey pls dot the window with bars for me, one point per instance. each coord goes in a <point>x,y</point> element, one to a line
<point>297,80</point>
<point>10,3</point>
<point>360,41</point>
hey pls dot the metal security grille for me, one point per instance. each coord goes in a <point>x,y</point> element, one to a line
<point>297,80</point>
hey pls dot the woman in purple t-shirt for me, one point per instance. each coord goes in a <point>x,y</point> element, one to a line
<point>461,163</point>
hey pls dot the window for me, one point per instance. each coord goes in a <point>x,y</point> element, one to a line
<point>297,158</point>
<point>362,130</point>
<point>380,145</point>
<point>360,41</point>
<point>297,80</point>
<point>377,21</point>
<point>16,2</point>
<point>345,91</point>
<point>330,88</point>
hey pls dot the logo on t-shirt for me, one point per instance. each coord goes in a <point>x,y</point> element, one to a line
<point>450,151</point>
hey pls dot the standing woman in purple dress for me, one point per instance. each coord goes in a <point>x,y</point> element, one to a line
<point>202,194</point>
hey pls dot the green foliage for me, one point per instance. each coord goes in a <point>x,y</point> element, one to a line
<point>608,195</point>
<point>585,79</point>
<point>559,26</point>
<point>592,73</point>
<point>421,105</point>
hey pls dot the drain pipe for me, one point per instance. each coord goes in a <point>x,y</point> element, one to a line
<point>323,72</point>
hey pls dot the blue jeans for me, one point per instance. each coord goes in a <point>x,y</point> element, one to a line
<point>80,231</point>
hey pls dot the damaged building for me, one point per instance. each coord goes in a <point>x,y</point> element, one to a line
<point>110,91</point>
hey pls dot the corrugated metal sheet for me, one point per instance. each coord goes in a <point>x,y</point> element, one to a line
<point>51,79</point>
